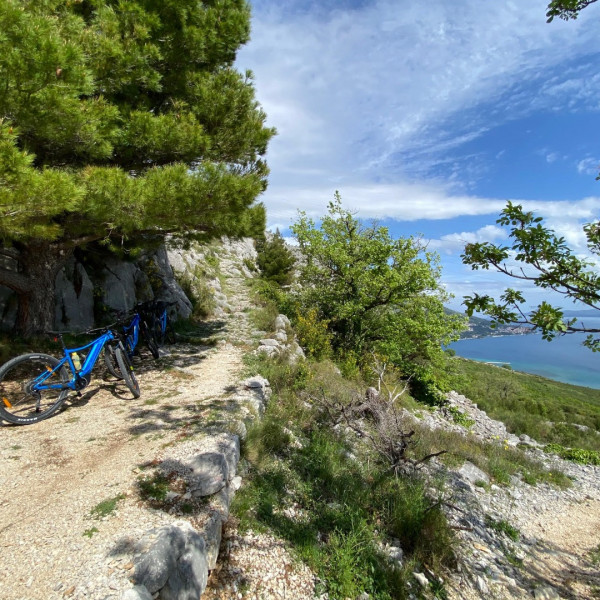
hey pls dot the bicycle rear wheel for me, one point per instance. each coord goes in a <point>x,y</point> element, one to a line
<point>126,369</point>
<point>20,403</point>
<point>149,339</point>
<point>158,332</point>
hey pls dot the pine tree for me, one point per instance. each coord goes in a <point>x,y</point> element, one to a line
<point>121,119</point>
<point>275,260</point>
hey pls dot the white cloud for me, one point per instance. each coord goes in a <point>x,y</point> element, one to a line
<point>372,98</point>
<point>402,202</point>
<point>454,243</point>
<point>588,166</point>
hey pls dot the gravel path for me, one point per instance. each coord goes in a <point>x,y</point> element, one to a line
<point>55,472</point>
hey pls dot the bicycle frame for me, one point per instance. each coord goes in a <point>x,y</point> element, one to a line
<point>162,319</point>
<point>132,334</point>
<point>96,346</point>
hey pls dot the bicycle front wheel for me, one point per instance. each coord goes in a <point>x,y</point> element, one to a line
<point>126,369</point>
<point>110,361</point>
<point>21,402</point>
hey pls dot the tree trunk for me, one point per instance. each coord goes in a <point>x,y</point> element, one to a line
<point>39,265</point>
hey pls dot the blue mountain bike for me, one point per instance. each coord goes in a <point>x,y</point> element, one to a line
<point>34,386</point>
<point>139,324</point>
<point>162,328</point>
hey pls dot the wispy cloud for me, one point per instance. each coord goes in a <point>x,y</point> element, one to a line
<point>588,166</point>
<point>565,219</point>
<point>366,85</point>
<point>455,242</point>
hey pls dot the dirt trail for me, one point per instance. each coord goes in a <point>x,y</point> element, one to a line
<point>53,473</point>
<point>562,556</point>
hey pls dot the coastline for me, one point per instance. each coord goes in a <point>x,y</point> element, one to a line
<point>563,359</point>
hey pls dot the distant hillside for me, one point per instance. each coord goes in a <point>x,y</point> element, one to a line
<point>582,313</point>
<point>479,327</point>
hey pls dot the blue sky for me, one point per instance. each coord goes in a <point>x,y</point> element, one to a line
<point>429,116</point>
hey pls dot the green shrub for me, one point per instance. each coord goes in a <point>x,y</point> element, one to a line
<point>106,507</point>
<point>578,455</point>
<point>460,418</point>
<point>154,488</point>
<point>313,334</point>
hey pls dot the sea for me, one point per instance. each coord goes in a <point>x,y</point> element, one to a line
<point>563,359</point>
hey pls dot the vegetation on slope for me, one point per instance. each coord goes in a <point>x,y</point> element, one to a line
<point>335,502</point>
<point>548,411</point>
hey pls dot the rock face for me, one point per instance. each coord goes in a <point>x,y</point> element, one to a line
<point>118,285</point>
<point>496,555</point>
<point>74,293</point>
<point>174,565</point>
<point>172,562</point>
<point>8,309</point>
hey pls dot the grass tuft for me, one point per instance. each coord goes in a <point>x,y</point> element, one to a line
<point>106,507</point>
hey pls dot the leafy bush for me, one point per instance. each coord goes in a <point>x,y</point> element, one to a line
<point>313,334</point>
<point>578,455</point>
<point>375,293</point>
<point>460,418</point>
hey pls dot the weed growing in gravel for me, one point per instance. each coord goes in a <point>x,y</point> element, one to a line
<point>16,447</point>
<point>595,556</point>
<point>90,532</point>
<point>460,418</point>
<point>512,558</point>
<point>106,507</point>
<point>186,508</point>
<point>154,488</point>
<point>503,526</point>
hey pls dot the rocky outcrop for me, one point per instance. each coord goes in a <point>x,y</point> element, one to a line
<point>81,291</point>
<point>282,342</point>
<point>490,520</point>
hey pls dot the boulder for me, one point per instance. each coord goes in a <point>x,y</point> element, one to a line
<point>473,474</point>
